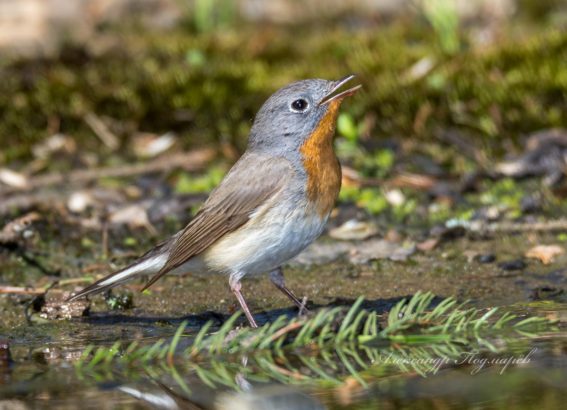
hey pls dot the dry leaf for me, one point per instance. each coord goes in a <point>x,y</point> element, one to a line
<point>54,143</point>
<point>135,216</point>
<point>419,69</point>
<point>350,177</point>
<point>353,230</point>
<point>428,244</point>
<point>545,253</point>
<point>146,145</point>
<point>13,179</point>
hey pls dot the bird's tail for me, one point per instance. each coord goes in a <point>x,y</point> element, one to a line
<point>148,264</point>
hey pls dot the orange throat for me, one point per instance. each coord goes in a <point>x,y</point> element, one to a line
<point>321,164</point>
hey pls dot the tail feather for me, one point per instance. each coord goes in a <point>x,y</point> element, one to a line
<point>148,264</point>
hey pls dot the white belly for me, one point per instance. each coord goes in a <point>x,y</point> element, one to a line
<point>266,242</point>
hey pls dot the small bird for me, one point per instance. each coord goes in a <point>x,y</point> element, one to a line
<point>271,205</point>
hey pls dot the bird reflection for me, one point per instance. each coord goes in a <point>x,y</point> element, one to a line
<point>265,397</point>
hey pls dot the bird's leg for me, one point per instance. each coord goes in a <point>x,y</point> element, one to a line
<point>277,278</point>
<point>235,288</point>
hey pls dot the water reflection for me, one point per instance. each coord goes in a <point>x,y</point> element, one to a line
<point>389,376</point>
<point>269,397</point>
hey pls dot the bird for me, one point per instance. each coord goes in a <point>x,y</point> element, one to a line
<point>272,203</point>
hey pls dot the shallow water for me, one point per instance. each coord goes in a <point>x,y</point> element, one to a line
<point>516,372</point>
<point>524,372</point>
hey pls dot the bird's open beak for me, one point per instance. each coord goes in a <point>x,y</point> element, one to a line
<point>336,86</point>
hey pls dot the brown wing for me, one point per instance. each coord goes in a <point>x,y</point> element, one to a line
<point>252,181</point>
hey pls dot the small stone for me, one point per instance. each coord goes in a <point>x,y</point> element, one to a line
<point>531,204</point>
<point>56,309</point>
<point>516,264</point>
<point>79,201</point>
<point>395,197</point>
<point>486,258</point>
<point>545,292</point>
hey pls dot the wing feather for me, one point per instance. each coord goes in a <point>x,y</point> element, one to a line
<point>229,206</point>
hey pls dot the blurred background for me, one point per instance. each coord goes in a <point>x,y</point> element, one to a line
<point>450,87</point>
<point>117,117</point>
<point>490,69</point>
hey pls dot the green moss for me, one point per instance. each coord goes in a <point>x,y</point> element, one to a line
<point>188,183</point>
<point>207,87</point>
<point>505,192</point>
<point>347,127</point>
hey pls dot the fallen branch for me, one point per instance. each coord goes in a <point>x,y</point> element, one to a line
<point>101,131</point>
<point>29,200</point>
<point>22,290</point>
<point>18,290</point>
<point>512,227</point>
<point>190,161</point>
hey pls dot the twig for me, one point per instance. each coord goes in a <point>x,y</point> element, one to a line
<point>28,201</point>
<point>102,131</point>
<point>18,290</point>
<point>190,161</point>
<point>303,309</point>
<point>104,240</point>
<point>511,227</point>
<point>409,180</point>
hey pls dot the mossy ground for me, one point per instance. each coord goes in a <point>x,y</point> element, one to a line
<point>207,87</point>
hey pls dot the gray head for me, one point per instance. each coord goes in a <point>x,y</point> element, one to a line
<point>293,113</point>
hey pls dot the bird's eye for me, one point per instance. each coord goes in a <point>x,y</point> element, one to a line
<point>299,105</point>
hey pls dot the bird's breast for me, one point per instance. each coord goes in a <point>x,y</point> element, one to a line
<point>321,164</point>
<point>275,233</point>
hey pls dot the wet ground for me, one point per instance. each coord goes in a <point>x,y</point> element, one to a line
<point>539,383</point>
<point>489,271</point>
